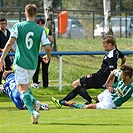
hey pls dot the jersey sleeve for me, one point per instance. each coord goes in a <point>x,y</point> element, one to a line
<point>14,33</point>
<point>44,39</point>
<point>117,73</point>
<point>121,55</point>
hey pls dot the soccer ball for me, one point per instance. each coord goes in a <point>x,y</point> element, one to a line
<point>44,107</point>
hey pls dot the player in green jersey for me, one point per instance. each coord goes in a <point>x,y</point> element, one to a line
<point>27,35</point>
<point>115,94</point>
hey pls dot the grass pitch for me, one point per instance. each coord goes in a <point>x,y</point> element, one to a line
<point>65,120</point>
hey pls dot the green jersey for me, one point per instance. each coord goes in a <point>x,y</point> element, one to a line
<point>28,37</point>
<point>122,92</point>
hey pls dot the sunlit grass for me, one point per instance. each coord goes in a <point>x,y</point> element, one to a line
<point>65,120</point>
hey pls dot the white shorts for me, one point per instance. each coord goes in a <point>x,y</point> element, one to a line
<point>105,101</point>
<point>22,75</point>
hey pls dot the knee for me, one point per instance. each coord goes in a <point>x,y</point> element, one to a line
<point>75,84</point>
<point>76,90</point>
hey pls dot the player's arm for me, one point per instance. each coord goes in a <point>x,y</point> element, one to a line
<point>48,51</point>
<point>50,37</point>
<point>6,49</point>
<point>110,81</point>
<point>46,58</point>
<point>123,60</point>
<point>122,57</point>
<point>46,47</point>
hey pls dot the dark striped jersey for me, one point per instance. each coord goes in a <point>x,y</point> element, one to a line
<point>109,63</point>
<point>122,92</point>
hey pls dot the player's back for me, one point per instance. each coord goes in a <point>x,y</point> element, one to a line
<point>109,63</point>
<point>122,92</point>
<point>11,90</point>
<point>10,85</point>
<point>28,44</point>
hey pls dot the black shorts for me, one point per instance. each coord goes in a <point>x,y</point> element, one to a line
<point>91,82</point>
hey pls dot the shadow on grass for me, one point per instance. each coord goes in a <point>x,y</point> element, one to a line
<point>4,98</point>
<point>86,124</point>
<point>8,108</point>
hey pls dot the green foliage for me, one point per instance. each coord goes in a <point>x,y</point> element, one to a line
<point>125,5</point>
<point>56,4</point>
<point>96,5</point>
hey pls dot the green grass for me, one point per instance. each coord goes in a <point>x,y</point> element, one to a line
<point>67,120</point>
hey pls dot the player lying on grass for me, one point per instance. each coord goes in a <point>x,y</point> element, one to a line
<point>96,80</point>
<point>115,94</point>
<point>9,88</point>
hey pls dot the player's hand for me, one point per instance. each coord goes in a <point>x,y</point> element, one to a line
<point>107,85</point>
<point>45,59</point>
<point>2,64</point>
<point>111,89</point>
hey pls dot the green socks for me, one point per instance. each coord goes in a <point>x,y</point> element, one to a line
<point>63,103</point>
<point>79,106</point>
<point>27,99</point>
<point>32,97</point>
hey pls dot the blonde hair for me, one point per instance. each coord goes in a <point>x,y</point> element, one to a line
<point>31,10</point>
<point>110,39</point>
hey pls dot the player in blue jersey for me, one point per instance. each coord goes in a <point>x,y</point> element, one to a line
<point>10,89</point>
<point>116,94</point>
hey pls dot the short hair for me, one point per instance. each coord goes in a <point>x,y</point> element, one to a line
<point>31,9</point>
<point>110,39</point>
<point>3,19</point>
<point>42,21</point>
<point>127,69</point>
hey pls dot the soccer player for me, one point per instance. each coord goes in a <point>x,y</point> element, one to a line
<point>98,79</point>
<point>115,94</point>
<point>9,88</point>
<point>28,36</point>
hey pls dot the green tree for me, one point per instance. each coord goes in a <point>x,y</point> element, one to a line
<point>57,4</point>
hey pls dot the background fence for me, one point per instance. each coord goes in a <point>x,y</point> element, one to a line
<point>88,18</point>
